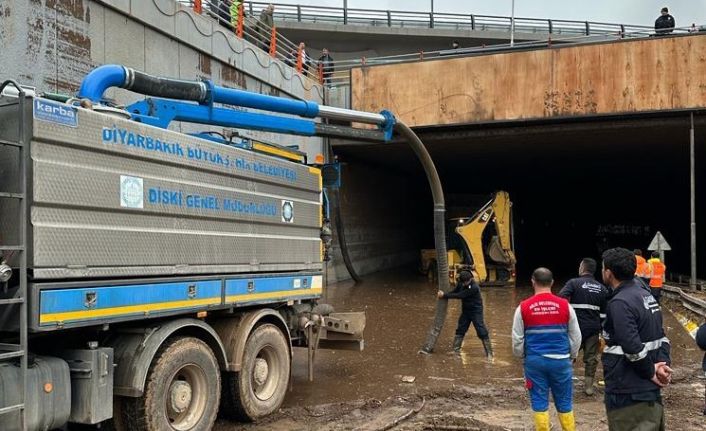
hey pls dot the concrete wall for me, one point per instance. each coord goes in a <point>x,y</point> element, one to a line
<point>383,220</point>
<point>653,74</point>
<point>52,44</point>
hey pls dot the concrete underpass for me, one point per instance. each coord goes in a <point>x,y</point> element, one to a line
<point>578,186</point>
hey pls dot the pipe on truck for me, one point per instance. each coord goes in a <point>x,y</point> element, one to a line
<point>205,92</point>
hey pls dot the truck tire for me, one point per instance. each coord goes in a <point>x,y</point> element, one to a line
<point>258,389</point>
<point>182,390</point>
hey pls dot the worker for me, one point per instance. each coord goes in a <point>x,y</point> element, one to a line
<point>468,291</point>
<point>636,359</point>
<point>234,11</point>
<point>220,9</point>
<point>701,342</point>
<point>588,297</point>
<point>657,269</point>
<point>664,24</point>
<point>264,26</point>
<point>545,331</point>
<point>642,271</point>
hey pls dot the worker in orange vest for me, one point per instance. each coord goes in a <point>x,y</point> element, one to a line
<point>657,271</point>
<point>643,268</point>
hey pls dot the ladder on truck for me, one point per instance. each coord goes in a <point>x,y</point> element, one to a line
<point>18,253</point>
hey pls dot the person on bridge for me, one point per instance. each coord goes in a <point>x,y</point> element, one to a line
<point>665,23</point>
<point>264,27</point>
<point>545,331</point>
<point>637,355</point>
<point>588,297</point>
<point>656,272</point>
<point>234,11</point>
<point>220,9</point>
<point>642,270</point>
<point>468,291</point>
<point>327,66</point>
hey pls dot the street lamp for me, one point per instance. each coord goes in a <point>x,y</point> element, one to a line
<point>512,25</point>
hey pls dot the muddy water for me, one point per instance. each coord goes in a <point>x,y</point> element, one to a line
<point>399,308</point>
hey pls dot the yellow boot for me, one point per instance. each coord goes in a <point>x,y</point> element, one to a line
<point>567,421</point>
<point>541,421</point>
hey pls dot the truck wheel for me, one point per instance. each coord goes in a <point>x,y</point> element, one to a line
<point>259,388</point>
<point>182,391</point>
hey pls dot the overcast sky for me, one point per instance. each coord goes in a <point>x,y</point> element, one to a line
<point>642,12</point>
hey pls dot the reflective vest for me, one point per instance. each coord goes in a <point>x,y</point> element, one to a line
<point>234,12</point>
<point>657,270</point>
<point>643,268</point>
<point>546,322</point>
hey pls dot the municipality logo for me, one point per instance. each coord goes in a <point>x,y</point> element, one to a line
<point>131,192</point>
<point>288,211</point>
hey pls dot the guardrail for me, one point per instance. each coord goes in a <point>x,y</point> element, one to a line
<point>245,24</point>
<point>692,303</point>
<point>440,20</point>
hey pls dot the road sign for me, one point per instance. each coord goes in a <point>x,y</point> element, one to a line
<point>659,243</point>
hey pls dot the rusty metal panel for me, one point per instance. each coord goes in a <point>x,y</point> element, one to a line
<point>608,78</point>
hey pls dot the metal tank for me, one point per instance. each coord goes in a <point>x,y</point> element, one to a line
<point>111,197</point>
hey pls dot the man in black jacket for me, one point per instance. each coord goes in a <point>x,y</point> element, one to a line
<point>588,298</point>
<point>468,291</point>
<point>637,355</point>
<point>327,66</point>
<point>665,23</point>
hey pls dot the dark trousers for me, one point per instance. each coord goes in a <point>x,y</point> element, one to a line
<point>590,354</point>
<point>471,316</point>
<point>657,293</point>
<point>644,416</point>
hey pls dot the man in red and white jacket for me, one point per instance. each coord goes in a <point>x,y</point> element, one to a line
<point>546,333</point>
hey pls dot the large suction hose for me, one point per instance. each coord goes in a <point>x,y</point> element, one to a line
<point>439,232</point>
<point>204,92</point>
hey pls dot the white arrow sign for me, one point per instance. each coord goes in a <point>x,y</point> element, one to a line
<point>659,243</point>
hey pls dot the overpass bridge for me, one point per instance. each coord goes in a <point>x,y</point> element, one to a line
<point>592,141</point>
<point>355,32</point>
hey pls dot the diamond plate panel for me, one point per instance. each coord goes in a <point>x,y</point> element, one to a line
<point>117,198</point>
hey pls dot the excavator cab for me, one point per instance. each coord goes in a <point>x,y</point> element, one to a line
<point>482,244</point>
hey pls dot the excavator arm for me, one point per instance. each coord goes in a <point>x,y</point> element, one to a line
<point>500,250</point>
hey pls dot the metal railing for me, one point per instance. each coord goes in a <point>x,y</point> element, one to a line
<point>440,20</point>
<point>246,24</point>
<point>249,27</point>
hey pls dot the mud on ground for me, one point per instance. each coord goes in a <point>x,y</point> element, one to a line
<point>491,407</point>
<point>365,391</point>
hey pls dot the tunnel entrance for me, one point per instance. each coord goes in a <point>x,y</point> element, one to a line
<point>577,188</point>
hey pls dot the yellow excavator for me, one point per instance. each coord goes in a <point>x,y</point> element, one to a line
<point>482,244</point>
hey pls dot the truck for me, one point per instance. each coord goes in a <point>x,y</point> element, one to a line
<point>482,243</point>
<point>150,278</point>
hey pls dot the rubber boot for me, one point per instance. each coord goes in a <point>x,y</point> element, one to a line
<point>458,342</point>
<point>588,385</point>
<point>488,346</point>
<point>541,421</point>
<point>567,421</point>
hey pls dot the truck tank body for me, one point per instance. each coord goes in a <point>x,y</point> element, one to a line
<point>111,198</point>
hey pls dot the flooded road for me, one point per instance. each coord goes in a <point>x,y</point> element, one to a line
<point>399,307</point>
